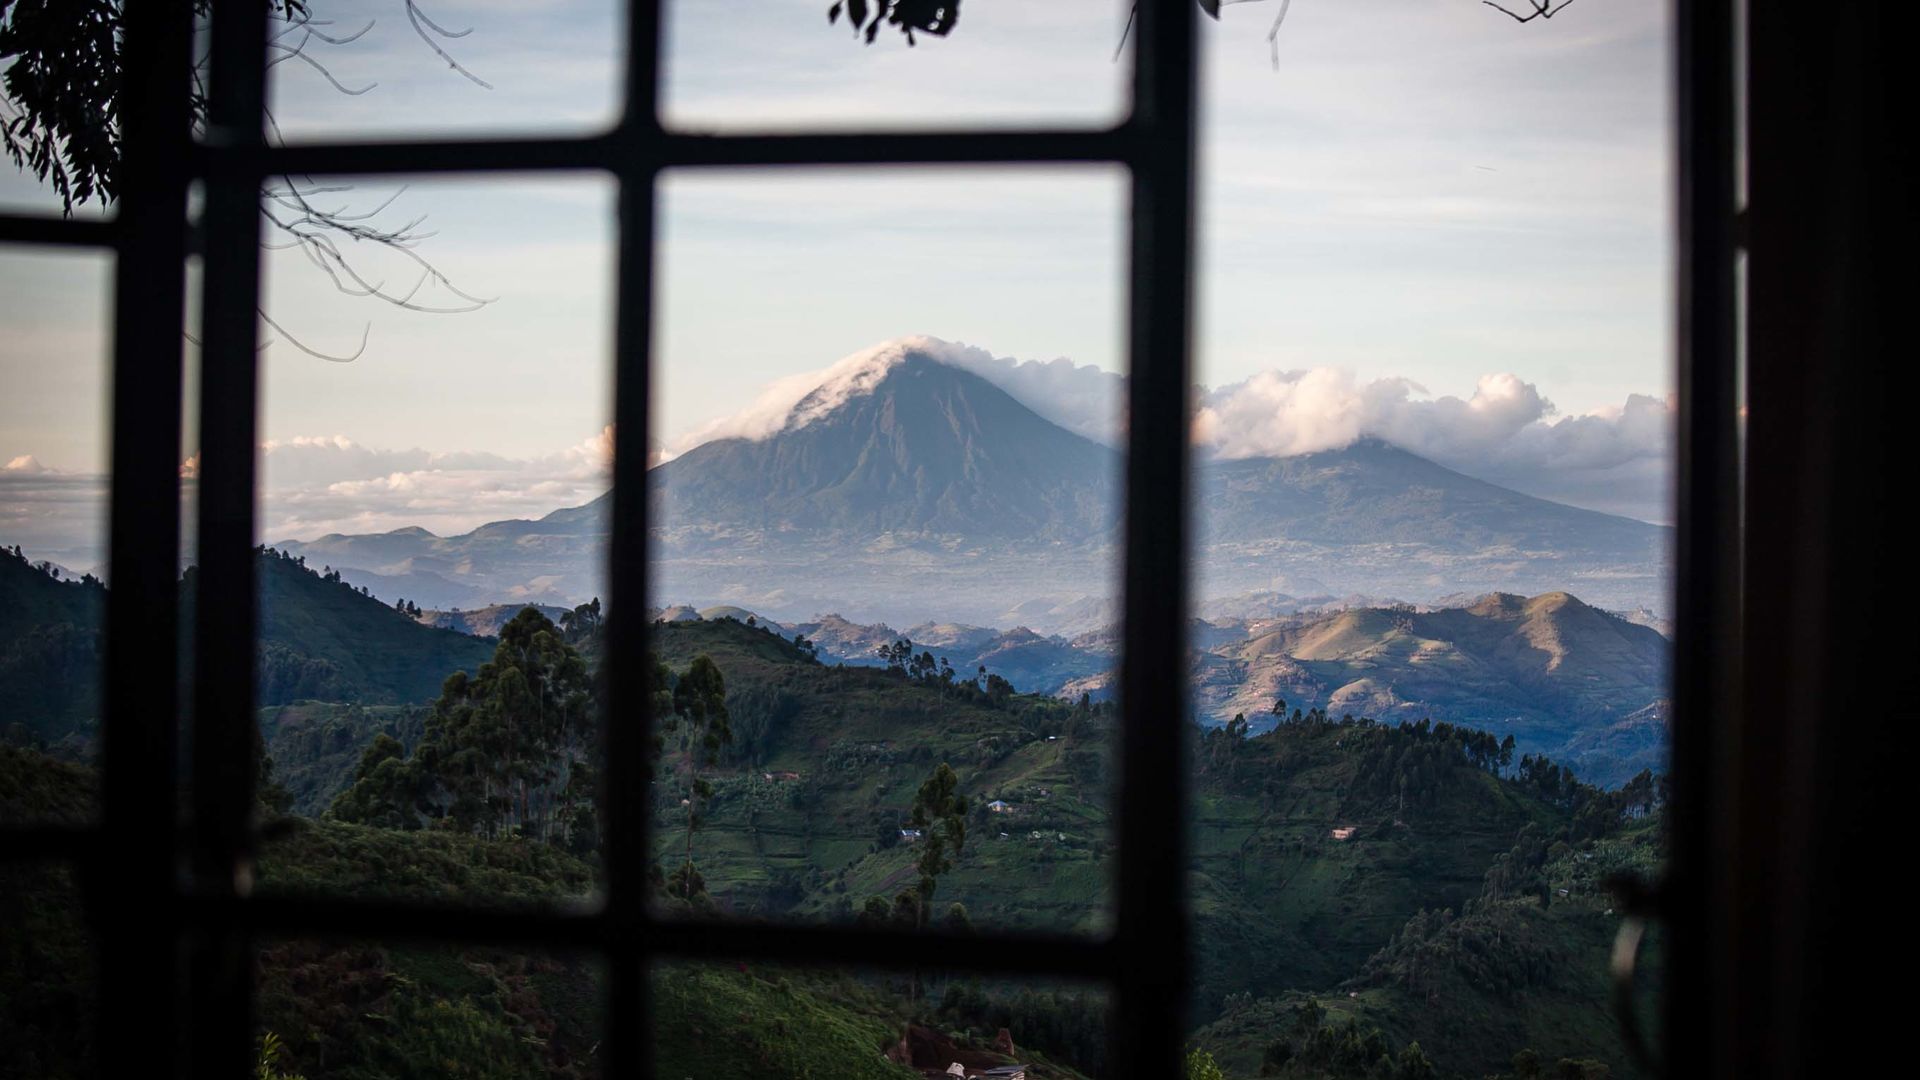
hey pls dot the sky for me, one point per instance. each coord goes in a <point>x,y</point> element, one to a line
<point>1418,220</point>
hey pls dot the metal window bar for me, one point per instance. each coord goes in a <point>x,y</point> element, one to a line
<point>160,930</point>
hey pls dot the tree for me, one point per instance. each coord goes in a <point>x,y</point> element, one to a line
<point>937,17</point>
<point>699,721</point>
<point>957,920</point>
<point>582,622</point>
<point>1201,1066</point>
<point>939,812</point>
<point>500,747</point>
<point>63,117</point>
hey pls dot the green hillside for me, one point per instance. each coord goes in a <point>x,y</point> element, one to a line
<point>320,639</point>
<point>316,745</point>
<point>861,740</point>
<point>1515,972</point>
<point>1406,876</point>
<point>50,652</point>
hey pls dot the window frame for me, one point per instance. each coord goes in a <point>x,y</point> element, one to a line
<point>167,899</point>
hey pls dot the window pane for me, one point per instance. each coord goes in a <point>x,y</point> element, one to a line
<point>425,68</point>
<point>897,550</point>
<point>428,608</point>
<point>742,1019</point>
<point>47,972</point>
<point>53,507</point>
<point>1433,464</point>
<point>22,193</point>
<point>339,1009</point>
<point>787,66</point>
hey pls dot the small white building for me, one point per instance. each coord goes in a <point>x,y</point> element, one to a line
<point>999,806</point>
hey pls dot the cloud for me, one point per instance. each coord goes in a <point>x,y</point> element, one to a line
<point>54,514</point>
<point>313,485</point>
<point>1616,458</point>
<point>1284,413</point>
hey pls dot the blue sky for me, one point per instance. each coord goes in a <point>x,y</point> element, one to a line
<point>1420,196</point>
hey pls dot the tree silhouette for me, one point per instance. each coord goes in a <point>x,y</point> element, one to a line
<point>60,119</point>
<point>699,721</point>
<point>937,17</point>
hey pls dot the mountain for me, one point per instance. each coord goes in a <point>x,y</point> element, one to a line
<point>906,487</point>
<point>932,453</point>
<point>1550,670</point>
<point>484,621</point>
<point>319,638</point>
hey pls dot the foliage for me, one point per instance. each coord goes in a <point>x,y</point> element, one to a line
<point>699,723</point>
<point>1201,1066</point>
<point>1068,1025</point>
<point>499,751</point>
<point>50,651</point>
<point>934,17</point>
<point>714,1022</point>
<point>267,1065</point>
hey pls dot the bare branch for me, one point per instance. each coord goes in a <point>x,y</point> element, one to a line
<point>315,353</point>
<point>292,52</point>
<point>1542,9</point>
<point>426,27</point>
<point>1273,34</point>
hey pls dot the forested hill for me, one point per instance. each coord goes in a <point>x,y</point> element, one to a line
<point>320,639</point>
<point>323,639</point>
<point>1389,883</point>
<point>49,650</point>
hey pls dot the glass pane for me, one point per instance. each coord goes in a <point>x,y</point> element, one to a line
<point>751,1019</point>
<point>895,553</point>
<point>434,411</point>
<point>345,1009</point>
<point>47,973</point>
<point>53,507</point>
<point>23,193</point>
<point>1433,469</point>
<point>439,68</point>
<point>786,65</point>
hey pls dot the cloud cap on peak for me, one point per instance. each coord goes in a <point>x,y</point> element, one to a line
<point>1082,398</point>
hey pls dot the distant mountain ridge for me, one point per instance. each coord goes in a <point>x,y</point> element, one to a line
<point>1582,685</point>
<point>920,488</point>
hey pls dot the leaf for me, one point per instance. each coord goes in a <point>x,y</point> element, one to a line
<point>1211,7</point>
<point>833,13</point>
<point>857,12</point>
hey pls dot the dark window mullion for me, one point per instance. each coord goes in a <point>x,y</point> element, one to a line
<point>225,601</point>
<point>130,886</point>
<point>1152,819</point>
<point>57,232</point>
<point>626,722</point>
<point>674,149</point>
<point>1706,574</point>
